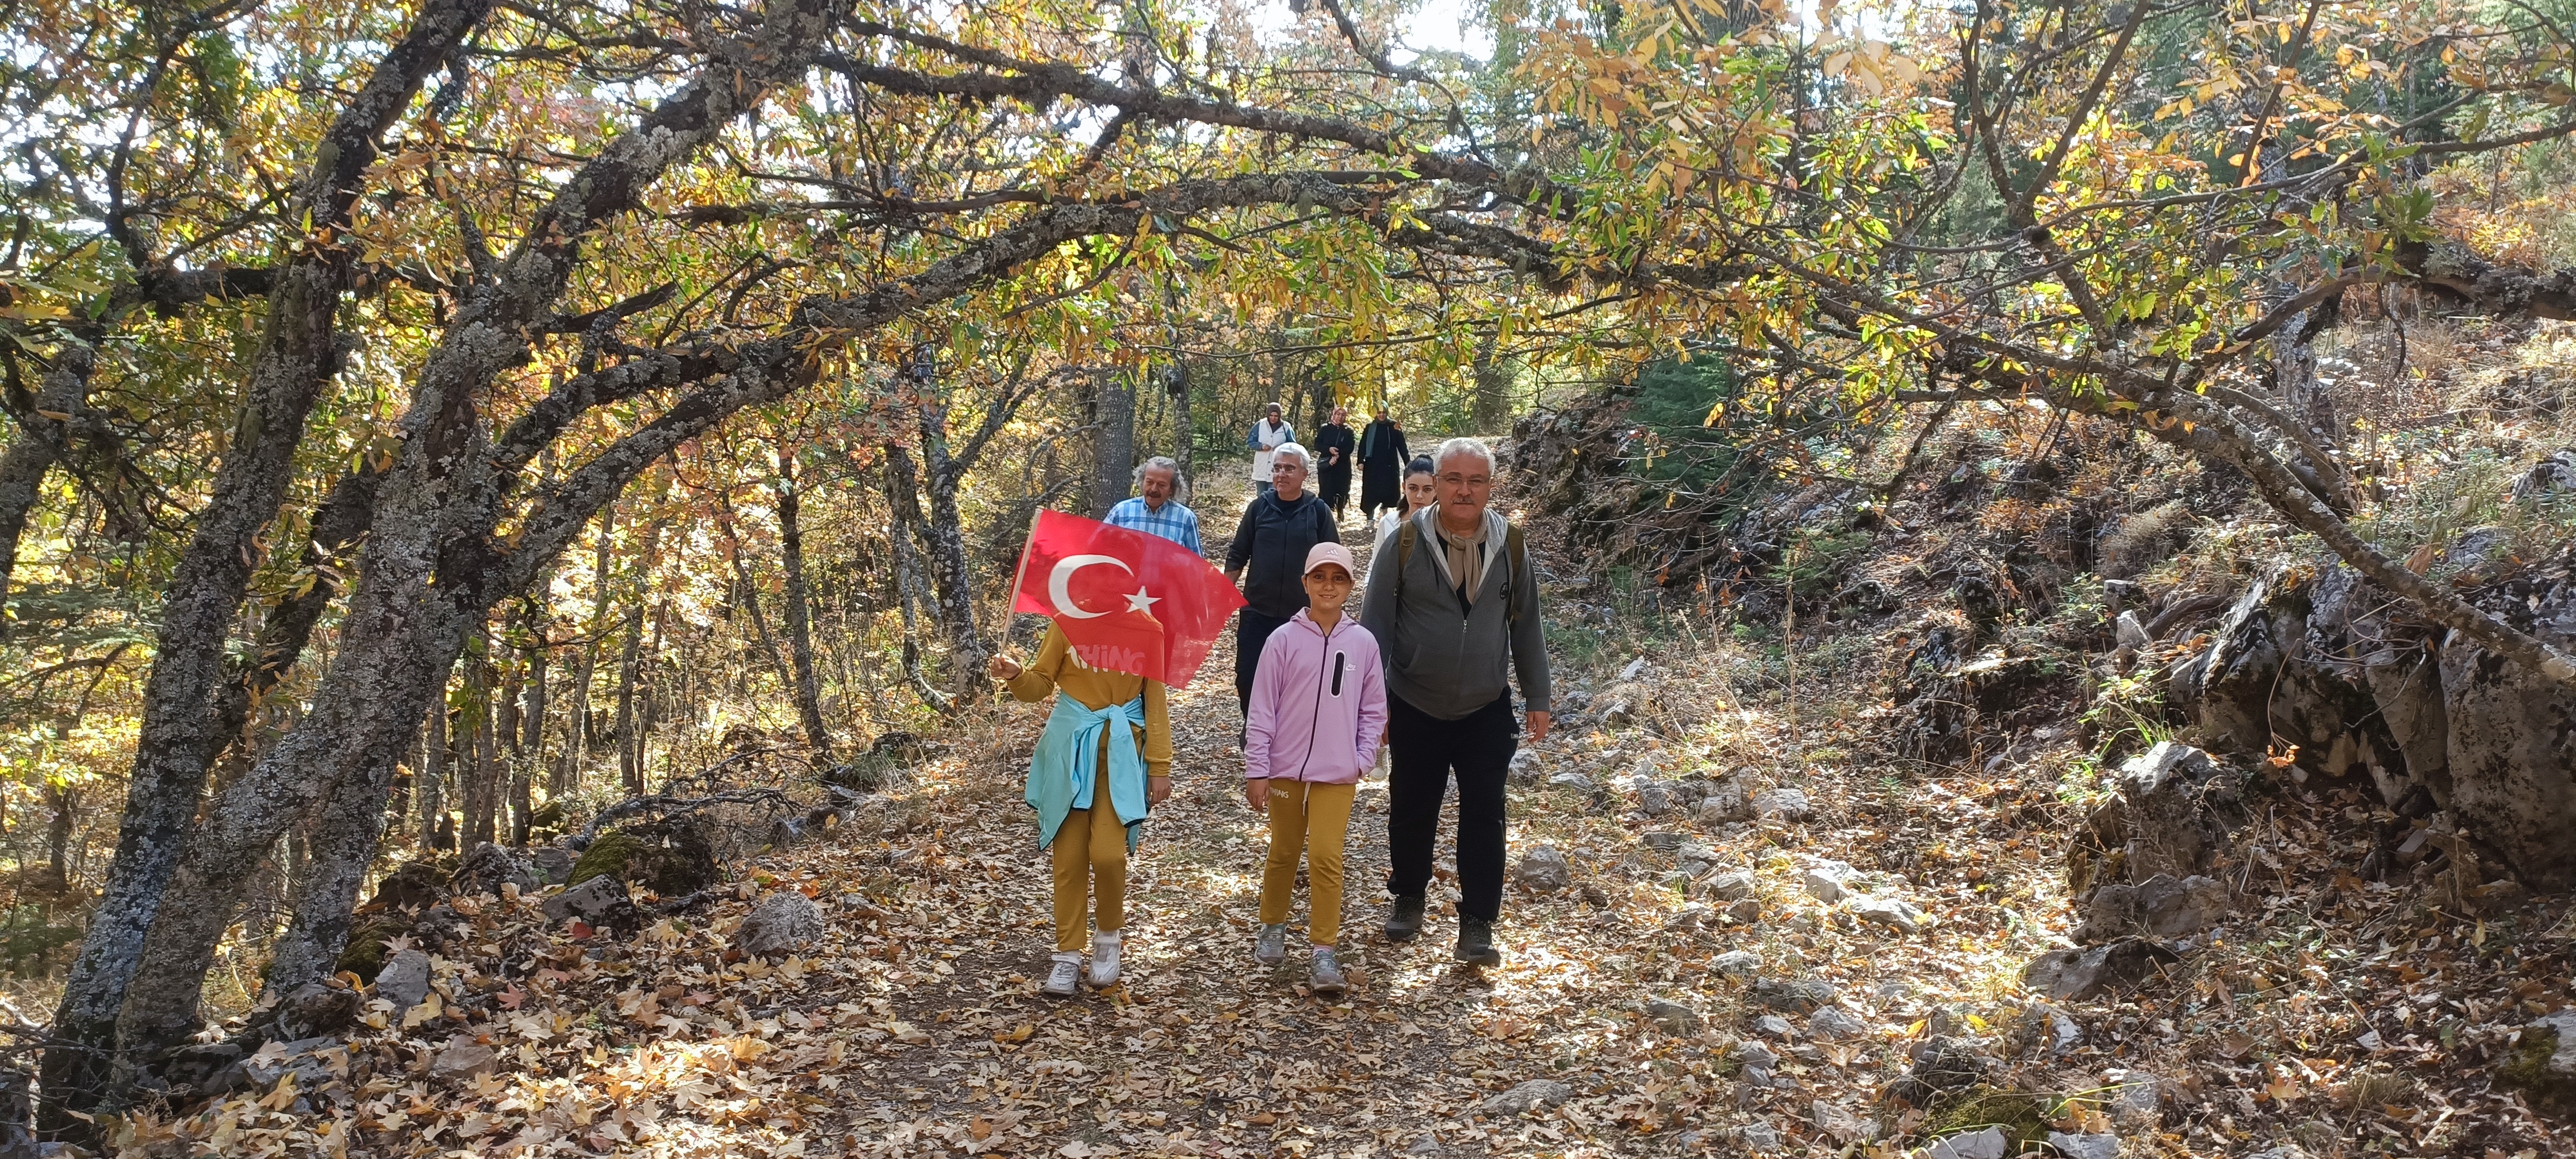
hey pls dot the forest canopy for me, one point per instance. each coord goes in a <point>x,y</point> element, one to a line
<point>430,422</point>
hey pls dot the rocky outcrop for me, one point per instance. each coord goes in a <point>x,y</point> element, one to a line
<point>2321,659</point>
<point>2172,815</point>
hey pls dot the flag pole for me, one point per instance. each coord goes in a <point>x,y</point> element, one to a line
<point>1020,571</point>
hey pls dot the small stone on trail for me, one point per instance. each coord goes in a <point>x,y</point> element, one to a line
<point>1759,1139</point>
<point>600,901</point>
<point>463,1059</point>
<point>1785,805</point>
<point>786,920</point>
<point>1529,1096</point>
<point>1733,885</point>
<point>1526,766</point>
<point>1634,669</point>
<point>1745,912</point>
<point>1425,1145</point>
<point>404,981</point>
<point>2079,975</point>
<point>2137,1096</point>
<point>1675,1018</point>
<point>1575,781</point>
<point>1737,963</point>
<point>1838,1121</point>
<point>1986,1144</point>
<point>1654,800</point>
<point>1664,840</point>
<point>1831,1022</point>
<point>1825,880</point>
<point>1773,1025</point>
<point>1544,869</point>
<point>1754,1056</point>
<point>1891,912</point>
<point>2092,1146</point>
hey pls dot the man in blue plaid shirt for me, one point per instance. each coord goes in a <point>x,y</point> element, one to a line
<point>1153,510</point>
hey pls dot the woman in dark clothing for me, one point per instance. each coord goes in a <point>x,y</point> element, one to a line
<point>1268,557</point>
<point>1333,447</point>
<point>1382,456</point>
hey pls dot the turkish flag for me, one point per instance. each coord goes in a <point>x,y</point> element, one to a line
<point>1128,601</point>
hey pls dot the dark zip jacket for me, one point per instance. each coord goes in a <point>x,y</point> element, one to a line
<point>1273,540</point>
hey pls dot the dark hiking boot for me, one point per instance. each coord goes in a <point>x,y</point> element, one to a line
<point>1476,942</point>
<point>1404,918</point>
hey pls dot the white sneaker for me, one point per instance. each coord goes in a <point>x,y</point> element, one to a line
<point>1061,976</point>
<point>1104,959</point>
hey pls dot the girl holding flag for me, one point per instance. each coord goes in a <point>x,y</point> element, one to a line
<point>1105,758</point>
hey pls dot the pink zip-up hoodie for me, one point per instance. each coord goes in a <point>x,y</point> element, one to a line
<point>1318,704</point>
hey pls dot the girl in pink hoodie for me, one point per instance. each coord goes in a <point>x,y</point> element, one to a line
<point>1318,712</point>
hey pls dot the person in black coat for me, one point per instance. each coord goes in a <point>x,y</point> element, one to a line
<point>1382,456</point>
<point>1268,557</point>
<point>1334,445</point>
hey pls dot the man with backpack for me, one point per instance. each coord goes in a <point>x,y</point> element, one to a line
<point>1459,603</point>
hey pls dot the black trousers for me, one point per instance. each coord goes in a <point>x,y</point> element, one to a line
<point>1251,630</point>
<point>1336,488</point>
<point>1478,747</point>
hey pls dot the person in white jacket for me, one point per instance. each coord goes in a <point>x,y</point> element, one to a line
<point>1267,436</point>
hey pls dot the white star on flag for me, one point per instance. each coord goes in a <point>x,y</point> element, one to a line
<point>1140,602</point>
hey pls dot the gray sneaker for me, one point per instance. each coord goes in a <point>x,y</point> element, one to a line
<point>1062,975</point>
<point>1272,947</point>
<point>1327,979</point>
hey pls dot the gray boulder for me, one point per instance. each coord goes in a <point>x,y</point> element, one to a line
<point>1575,781</point>
<point>1753,1056</point>
<point>404,981</point>
<point>1726,799</point>
<point>2543,1064</point>
<point>1829,1022</point>
<point>1673,1017</point>
<point>600,902</point>
<point>1526,766</point>
<point>491,866</point>
<point>314,1063</point>
<point>1840,1122</point>
<point>1797,997</point>
<point>552,864</point>
<point>1732,885</point>
<point>1894,913</point>
<point>780,923</point>
<point>1758,1138</point>
<point>1665,840</point>
<point>1737,963</point>
<point>2087,1146</point>
<point>1773,1026</point>
<point>2162,906</point>
<point>1986,1144</point>
<point>1788,806</point>
<point>463,1059</point>
<point>1536,1094</point>
<point>1826,880</point>
<point>1545,869</point>
<point>1654,800</point>
<point>2083,974</point>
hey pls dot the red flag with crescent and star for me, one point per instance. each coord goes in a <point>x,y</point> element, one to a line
<point>1127,601</point>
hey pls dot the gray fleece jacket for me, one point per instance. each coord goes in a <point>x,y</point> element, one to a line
<point>1443,659</point>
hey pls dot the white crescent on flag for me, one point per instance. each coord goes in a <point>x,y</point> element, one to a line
<point>1062,576</point>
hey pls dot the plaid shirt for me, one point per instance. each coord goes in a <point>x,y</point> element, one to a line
<point>1174,522</point>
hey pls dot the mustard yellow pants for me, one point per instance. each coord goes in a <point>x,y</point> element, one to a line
<point>1091,860</point>
<point>1312,817</point>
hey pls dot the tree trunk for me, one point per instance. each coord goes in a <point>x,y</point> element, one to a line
<point>800,625</point>
<point>42,440</point>
<point>532,721</point>
<point>1185,436</point>
<point>1114,444</point>
<point>905,509</point>
<point>749,600</point>
<point>946,536</point>
<point>179,733</point>
<point>477,768</point>
<point>1493,384</point>
<point>629,767</point>
<point>346,835</point>
<point>578,746</point>
<point>432,791</point>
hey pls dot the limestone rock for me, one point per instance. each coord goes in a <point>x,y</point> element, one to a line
<point>552,864</point>
<point>314,1063</point>
<point>1665,840</point>
<point>1526,766</point>
<point>2089,1146</point>
<point>785,920</point>
<point>2080,975</point>
<point>2543,1063</point>
<point>599,902</point>
<point>1798,997</point>
<point>1754,1056</point>
<point>2137,1097</point>
<point>1826,880</point>
<point>491,866</point>
<point>1673,1017</point>
<point>463,1059</point>
<point>1544,869</point>
<point>314,1009</point>
<point>1829,1022</point>
<point>1737,963</point>
<point>2162,906</point>
<point>1838,1121</point>
<point>1536,1094</point>
<point>1784,805</point>
<point>1575,781</point>
<point>1986,1144</point>
<point>404,981</point>
<point>1774,1026</point>
<point>1895,913</point>
<point>1758,1138</point>
<point>1654,800</point>
<point>1725,800</point>
<point>1732,885</point>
